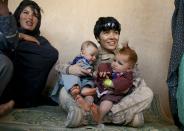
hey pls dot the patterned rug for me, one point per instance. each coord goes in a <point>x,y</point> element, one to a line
<point>51,118</point>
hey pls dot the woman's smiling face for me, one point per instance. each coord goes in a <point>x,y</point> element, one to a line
<point>109,40</point>
<point>28,19</point>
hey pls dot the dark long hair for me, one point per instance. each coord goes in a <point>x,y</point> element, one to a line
<point>34,6</point>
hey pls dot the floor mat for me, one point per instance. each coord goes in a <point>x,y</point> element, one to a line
<point>51,118</point>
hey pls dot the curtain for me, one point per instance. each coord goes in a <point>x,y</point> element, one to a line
<point>176,54</point>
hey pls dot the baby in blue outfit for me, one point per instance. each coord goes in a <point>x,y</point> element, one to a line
<point>82,86</point>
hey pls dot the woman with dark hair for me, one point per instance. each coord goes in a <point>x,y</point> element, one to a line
<point>33,57</point>
<point>126,112</point>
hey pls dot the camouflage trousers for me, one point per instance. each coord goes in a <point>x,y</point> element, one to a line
<point>121,113</point>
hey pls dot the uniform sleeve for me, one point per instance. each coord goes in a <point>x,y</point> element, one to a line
<point>62,68</point>
<point>123,83</point>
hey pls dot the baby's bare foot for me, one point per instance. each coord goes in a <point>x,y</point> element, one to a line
<point>75,90</point>
<point>95,113</point>
<point>82,103</point>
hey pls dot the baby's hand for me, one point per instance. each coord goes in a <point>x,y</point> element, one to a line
<point>104,74</point>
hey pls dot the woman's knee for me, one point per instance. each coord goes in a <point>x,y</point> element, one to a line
<point>6,66</point>
<point>6,71</point>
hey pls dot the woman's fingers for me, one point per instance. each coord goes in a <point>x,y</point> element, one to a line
<point>32,39</point>
<point>82,71</point>
<point>36,41</point>
<point>78,70</point>
<point>28,38</point>
<point>85,72</point>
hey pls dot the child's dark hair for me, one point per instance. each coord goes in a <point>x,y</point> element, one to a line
<point>85,44</point>
<point>126,50</point>
<point>106,24</point>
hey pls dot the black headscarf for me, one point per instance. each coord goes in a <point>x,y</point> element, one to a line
<point>34,6</point>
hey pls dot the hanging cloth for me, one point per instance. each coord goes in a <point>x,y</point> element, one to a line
<point>176,54</point>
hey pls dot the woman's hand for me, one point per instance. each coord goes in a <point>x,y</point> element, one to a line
<point>4,11</point>
<point>78,70</point>
<point>28,38</point>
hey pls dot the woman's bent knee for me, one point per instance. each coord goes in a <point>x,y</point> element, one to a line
<point>6,71</point>
<point>6,66</point>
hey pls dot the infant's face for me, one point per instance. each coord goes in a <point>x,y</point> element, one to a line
<point>121,63</point>
<point>90,53</point>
